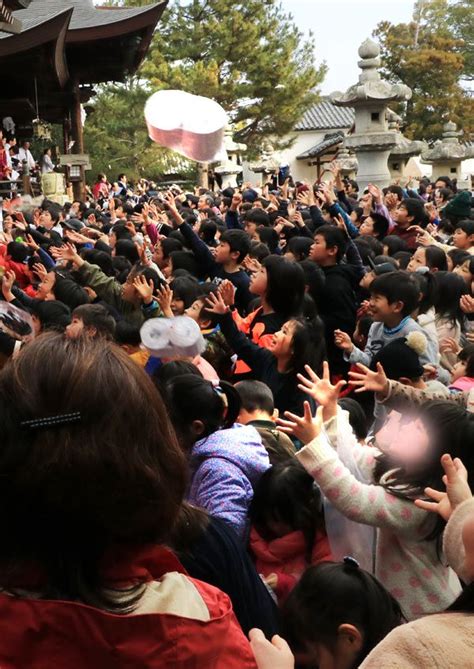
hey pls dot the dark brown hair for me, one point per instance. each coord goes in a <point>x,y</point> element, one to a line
<point>70,493</point>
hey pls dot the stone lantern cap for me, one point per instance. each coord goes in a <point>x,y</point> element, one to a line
<point>403,145</point>
<point>371,88</point>
<point>449,147</point>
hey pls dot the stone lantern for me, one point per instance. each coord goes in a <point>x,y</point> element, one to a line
<point>268,162</point>
<point>372,141</point>
<point>447,154</point>
<point>230,168</point>
<point>403,150</point>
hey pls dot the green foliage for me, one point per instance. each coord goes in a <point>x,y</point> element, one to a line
<point>429,55</point>
<point>247,55</point>
<point>116,136</point>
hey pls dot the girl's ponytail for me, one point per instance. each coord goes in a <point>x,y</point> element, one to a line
<point>231,401</point>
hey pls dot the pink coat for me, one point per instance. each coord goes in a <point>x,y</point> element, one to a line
<point>286,557</point>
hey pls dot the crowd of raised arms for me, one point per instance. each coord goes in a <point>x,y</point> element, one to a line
<point>294,493</point>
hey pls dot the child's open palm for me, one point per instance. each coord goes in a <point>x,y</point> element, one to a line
<point>320,389</point>
<point>305,428</point>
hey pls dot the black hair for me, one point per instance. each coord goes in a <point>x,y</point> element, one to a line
<point>402,258</point>
<point>436,257</point>
<point>357,417</point>
<point>381,225</point>
<point>259,251</point>
<point>122,268</point>
<point>238,240</point>
<point>415,208</point>
<point>207,231</point>
<point>257,216</point>
<point>449,288</point>
<point>445,194</point>
<point>17,251</point>
<point>459,256</point>
<point>285,285</point>
<point>299,247</point>
<point>466,225</point>
<point>99,258</point>
<point>268,236</point>
<point>332,594</point>
<point>380,259</point>
<point>397,190</point>
<point>315,280</point>
<point>466,355</point>
<point>427,290</point>
<point>69,292</point>
<point>375,245</point>
<point>96,316</point>
<point>255,396</point>
<point>121,231</point>
<point>187,289</point>
<point>171,370</point>
<point>52,314</point>
<point>184,260</point>
<point>397,286</point>
<point>287,494</point>
<point>334,237</point>
<point>309,345</point>
<point>170,244</point>
<point>127,333</point>
<point>394,244</point>
<point>127,249</point>
<point>190,398</point>
<point>450,427</point>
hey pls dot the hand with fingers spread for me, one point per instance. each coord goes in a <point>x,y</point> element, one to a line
<point>449,344</point>
<point>31,243</point>
<point>227,291</point>
<point>305,428</point>
<point>367,380</point>
<point>7,284</point>
<point>216,304</point>
<point>144,288</point>
<point>321,389</point>
<point>165,297</point>
<point>69,254</point>
<point>343,341</point>
<point>341,224</point>
<point>251,264</point>
<point>274,654</point>
<point>457,489</point>
<point>40,270</point>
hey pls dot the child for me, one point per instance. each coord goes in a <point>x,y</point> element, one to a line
<point>91,320</point>
<point>393,297</point>
<point>226,460</point>
<point>128,337</point>
<point>336,614</point>
<point>462,376</point>
<point>287,533</point>
<point>298,341</point>
<point>258,410</point>
<point>407,559</point>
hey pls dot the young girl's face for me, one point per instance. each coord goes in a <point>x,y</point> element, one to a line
<point>177,306</point>
<point>194,311</point>
<point>281,344</point>
<point>259,282</point>
<point>464,271</point>
<point>459,370</point>
<point>418,259</point>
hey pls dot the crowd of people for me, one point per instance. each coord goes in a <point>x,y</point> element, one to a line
<point>294,489</point>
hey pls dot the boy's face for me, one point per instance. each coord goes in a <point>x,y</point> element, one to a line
<point>401,216</point>
<point>75,328</point>
<point>129,293</point>
<point>462,240</point>
<point>194,311</point>
<point>223,253</point>
<point>381,310</point>
<point>319,251</point>
<point>367,227</point>
<point>250,228</point>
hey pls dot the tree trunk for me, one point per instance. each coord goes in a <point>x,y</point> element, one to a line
<point>203,180</point>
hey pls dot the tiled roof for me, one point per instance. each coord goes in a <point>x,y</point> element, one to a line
<point>330,140</point>
<point>324,116</point>
<point>85,15</point>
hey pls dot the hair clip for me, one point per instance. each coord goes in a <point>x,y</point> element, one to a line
<point>351,562</point>
<point>52,421</point>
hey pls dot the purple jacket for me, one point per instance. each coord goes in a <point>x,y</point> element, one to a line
<point>225,467</point>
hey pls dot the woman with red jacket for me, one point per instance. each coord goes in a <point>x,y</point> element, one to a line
<point>92,486</point>
<point>288,533</point>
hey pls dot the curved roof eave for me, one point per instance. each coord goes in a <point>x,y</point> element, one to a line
<point>115,22</point>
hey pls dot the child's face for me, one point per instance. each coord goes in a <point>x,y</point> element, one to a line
<point>46,286</point>
<point>459,370</point>
<point>462,240</point>
<point>418,259</point>
<point>281,344</point>
<point>319,252</point>
<point>177,306</point>
<point>194,311</point>
<point>250,228</point>
<point>75,328</point>
<point>223,253</point>
<point>258,282</point>
<point>401,216</point>
<point>367,227</point>
<point>129,293</point>
<point>464,271</point>
<point>380,308</point>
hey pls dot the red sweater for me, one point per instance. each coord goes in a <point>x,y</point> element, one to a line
<point>286,557</point>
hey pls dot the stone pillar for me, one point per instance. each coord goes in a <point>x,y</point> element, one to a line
<point>77,134</point>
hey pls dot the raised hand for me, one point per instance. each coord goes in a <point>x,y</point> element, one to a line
<point>457,489</point>
<point>449,344</point>
<point>216,304</point>
<point>40,270</point>
<point>305,428</point>
<point>31,243</point>
<point>7,284</point>
<point>274,654</point>
<point>367,380</point>
<point>320,389</point>
<point>467,304</point>
<point>251,264</point>
<point>343,341</point>
<point>236,201</point>
<point>227,291</point>
<point>144,288</point>
<point>69,254</point>
<point>165,297</point>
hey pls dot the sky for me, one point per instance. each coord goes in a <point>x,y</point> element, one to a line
<point>339,27</point>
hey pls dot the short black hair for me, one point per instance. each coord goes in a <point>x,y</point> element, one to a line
<point>333,236</point>
<point>257,216</point>
<point>96,316</point>
<point>415,208</point>
<point>238,240</point>
<point>381,225</point>
<point>397,286</point>
<point>467,226</point>
<point>255,396</point>
<point>127,333</point>
<point>52,314</point>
